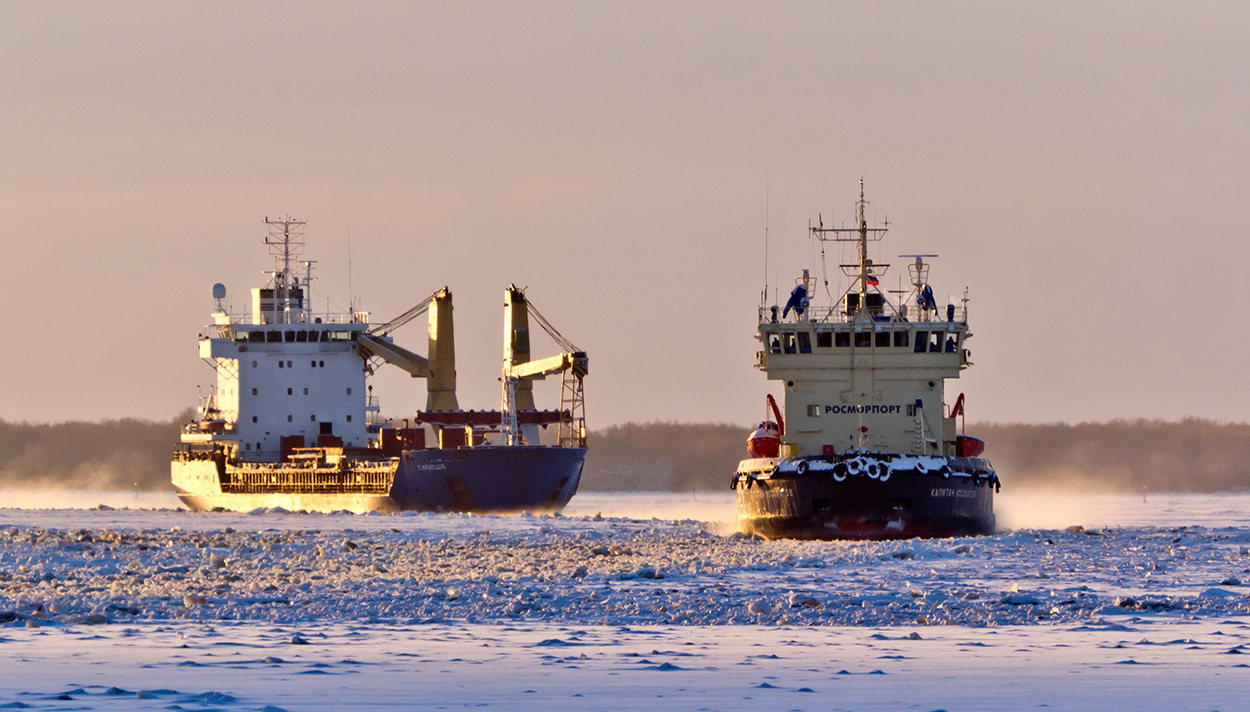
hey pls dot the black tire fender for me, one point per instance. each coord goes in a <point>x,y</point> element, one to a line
<point>839,472</point>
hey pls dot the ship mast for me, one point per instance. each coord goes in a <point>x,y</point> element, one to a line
<point>865,273</point>
<point>286,241</point>
<point>863,245</point>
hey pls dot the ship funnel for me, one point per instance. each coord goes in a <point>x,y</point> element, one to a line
<point>441,385</point>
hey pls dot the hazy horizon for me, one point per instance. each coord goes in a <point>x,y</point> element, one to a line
<point>619,159</point>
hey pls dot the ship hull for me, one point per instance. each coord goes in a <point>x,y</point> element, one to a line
<point>807,498</point>
<point>239,502</point>
<point>479,480</point>
<point>488,479</point>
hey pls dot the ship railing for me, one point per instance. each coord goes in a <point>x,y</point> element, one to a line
<point>359,317</point>
<point>839,315</point>
<point>193,455</point>
<point>373,479</point>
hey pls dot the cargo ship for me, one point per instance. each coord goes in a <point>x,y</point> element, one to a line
<point>291,421</point>
<point>865,445</point>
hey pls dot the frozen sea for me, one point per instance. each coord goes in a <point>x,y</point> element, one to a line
<point>641,601</point>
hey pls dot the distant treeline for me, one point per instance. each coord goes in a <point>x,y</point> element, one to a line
<point>1192,455</point>
<point>665,457</point>
<point>1123,455</point>
<point>110,455</point>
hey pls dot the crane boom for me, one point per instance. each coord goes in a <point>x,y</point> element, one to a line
<point>537,370</point>
<point>369,346</point>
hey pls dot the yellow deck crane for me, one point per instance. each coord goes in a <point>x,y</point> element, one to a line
<point>439,369</point>
<point>519,374</point>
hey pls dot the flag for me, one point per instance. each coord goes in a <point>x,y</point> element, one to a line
<point>873,280</point>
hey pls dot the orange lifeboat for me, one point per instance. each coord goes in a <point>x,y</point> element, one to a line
<point>766,440</point>
<point>968,446</point>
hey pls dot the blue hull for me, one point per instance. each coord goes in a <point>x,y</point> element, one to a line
<point>488,479</point>
<point>483,480</point>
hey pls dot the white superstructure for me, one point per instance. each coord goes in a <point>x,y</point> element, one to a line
<point>283,371</point>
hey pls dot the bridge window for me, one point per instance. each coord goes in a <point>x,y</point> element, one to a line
<point>273,336</point>
<point>935,342</point>
<point>841,339</point>
<point>289,336</point>
<point>883,339</point>
<point>922,341</point>
<point>863,339</point>
<point>824,339</point>
<point>774,344</point>
<point>900,338</point>
<point>805,342</point>
<point>789,345</point>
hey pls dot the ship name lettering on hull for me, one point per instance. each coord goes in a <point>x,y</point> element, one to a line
<point>952,492</point>
<point>864,409</point>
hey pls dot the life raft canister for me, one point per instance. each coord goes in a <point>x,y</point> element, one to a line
<point>968,446</point>
<point>765,441</point>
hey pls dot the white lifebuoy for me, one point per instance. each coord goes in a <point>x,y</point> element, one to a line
<point>801,468</point>
<point>886,471</point>
<point>922,467</point>
<point>839,472</point>
<point>854,466</point>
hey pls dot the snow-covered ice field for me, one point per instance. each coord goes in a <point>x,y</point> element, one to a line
<point>636,601</point>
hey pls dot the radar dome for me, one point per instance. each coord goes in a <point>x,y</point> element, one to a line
<point>219,291</point>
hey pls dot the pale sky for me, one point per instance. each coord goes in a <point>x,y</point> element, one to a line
<point>1081,167</point>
